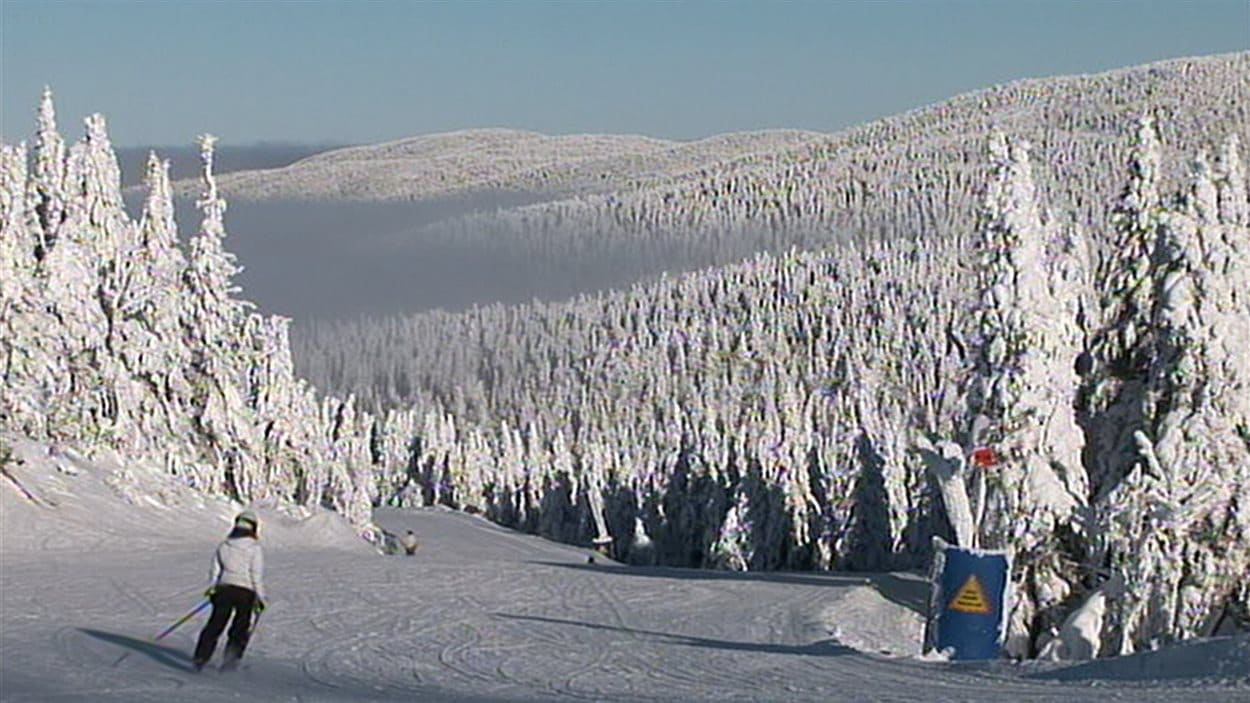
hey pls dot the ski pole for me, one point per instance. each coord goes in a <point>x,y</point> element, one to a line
<point>203,604</point>
<point>251,636</point>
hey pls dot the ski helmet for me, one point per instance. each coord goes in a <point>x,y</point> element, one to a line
<point>247,518</point>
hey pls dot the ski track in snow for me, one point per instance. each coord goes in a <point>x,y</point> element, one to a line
<point>479,614</point>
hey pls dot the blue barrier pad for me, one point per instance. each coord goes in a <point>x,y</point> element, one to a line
<point>971,595</point>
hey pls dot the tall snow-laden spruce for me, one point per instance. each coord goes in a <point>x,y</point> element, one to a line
<point>16,245</point>
<point>1175,527</point>
<point>276,396</point>
<point>18,292</point>
<point>1120,350</point>
<point>146,312</point>
<point>350,486</point>
<point>78,272</point>
<point>48,187</point>
<point>1234,202</point>
<point>1022,393</point>
<point>215,324</point>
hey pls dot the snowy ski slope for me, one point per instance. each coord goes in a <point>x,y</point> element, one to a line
<point>479,614</point>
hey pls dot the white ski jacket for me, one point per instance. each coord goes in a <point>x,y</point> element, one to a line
<point>239,561</point>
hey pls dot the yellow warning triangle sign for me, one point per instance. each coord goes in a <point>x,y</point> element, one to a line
<point>971,598</point>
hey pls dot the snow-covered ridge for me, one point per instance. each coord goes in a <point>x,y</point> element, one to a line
<point>437,165</point>
<point>622,217</point>
<point>483,160</point>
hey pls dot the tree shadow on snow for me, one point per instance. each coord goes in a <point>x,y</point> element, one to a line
<point>168,656</point>
<point>823,648</point>
<point>910,591</point>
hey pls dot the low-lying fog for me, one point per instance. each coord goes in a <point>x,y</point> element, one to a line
<point>334,260</point>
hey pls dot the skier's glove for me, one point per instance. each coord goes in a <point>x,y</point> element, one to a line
<point>212,590</point>
<point>259,607</point>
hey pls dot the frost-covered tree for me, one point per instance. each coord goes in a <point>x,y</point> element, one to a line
<point>211,269</point>
<point>16,245</point>
<point>1231,184</point>
<point>79,372</point>
<point>733,549</point>
<point>350,488</point>
<point>18,291</point>
<point>1175,527</point>
<point>1120,349</point>
<point>48,187</point>
<point>154,297</point>
<point>1023,390</point>
<point>112,339</point>
<point>215,323</point>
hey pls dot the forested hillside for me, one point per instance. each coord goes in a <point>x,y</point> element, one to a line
<point>782,413</point>
<point>804,410</point>
<point>603,212</point>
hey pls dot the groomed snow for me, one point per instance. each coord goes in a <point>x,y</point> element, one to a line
<point>480,613</point>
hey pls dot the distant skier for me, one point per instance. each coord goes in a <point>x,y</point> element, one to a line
<point>409,543</point>
<point>237,589</point>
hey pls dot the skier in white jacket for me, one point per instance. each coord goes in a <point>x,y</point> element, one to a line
<point>237,589</point>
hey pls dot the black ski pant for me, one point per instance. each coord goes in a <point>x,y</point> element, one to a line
<point>227,601</point>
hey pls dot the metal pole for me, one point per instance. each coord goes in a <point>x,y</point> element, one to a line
<point>203,604</point>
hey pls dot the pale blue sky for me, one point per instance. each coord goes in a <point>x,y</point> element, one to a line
<point>165,71</point>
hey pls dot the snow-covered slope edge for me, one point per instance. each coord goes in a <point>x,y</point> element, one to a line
<point>54,500</point>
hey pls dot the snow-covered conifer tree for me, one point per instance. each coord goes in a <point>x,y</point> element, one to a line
<point>17,289</point>
<point>349,488</point>
<point>1232,184</point>
<point>17,254</point>
<point>214,322</point>
<point>141,294</point>
<point>1174,528</point>
<point>211,270</point>
<point>48,182</point>
<point>1022,394</point>
<point>78,377</point>
<point>95,177</point>
<point>393,449</point>
<point>1120,348</point>
<point>733,547</point>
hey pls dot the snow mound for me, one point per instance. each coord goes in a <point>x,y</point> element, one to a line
<point>295,527</point>
<point>883,616</point>
<point>56,499</point>
<point>1217,660</point>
